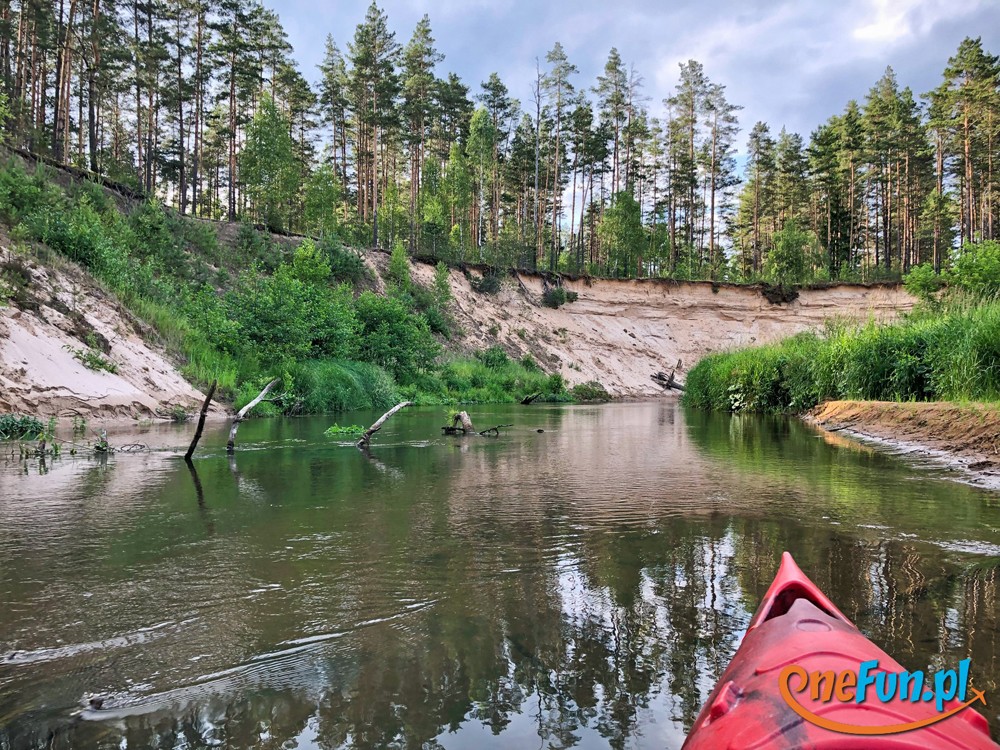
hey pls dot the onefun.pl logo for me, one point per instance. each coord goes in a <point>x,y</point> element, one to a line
<point>869,683</point>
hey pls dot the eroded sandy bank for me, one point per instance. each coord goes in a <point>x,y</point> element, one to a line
<point>962,437</point>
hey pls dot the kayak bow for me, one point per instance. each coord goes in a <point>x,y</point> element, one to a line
<point>761,700</point>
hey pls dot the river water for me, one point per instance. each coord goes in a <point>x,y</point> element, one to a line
<point>581,586</point>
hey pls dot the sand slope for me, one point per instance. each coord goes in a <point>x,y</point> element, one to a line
<point>39,373</point>
<point>618,333</point>
<point>621,332</point>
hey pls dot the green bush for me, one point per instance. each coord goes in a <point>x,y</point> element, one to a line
<point>490,283</point>
<point>345,265</point>
<point>494,358</point>
<point>392,336</point>
<point>591,391</point>
<point>923,283</point>
<point>554,296</point>
<point>976,269</point>
<point>19,427</point>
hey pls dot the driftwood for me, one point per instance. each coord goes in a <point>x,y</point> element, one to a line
<point>201,422</point>
<point>231,445</point>
<point>367,437</point>
<point>494,430</point>
<point>668,381</point>
<point>466,427</point>
<point>530,398</point>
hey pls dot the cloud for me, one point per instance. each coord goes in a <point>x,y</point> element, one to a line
<point>791,63</point>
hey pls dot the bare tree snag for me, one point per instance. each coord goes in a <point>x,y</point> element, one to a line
<point>494,430</point>
<point>530,398</point>
<point>667,381</point>
<point>231,445</point>
<point>201,422</point>
<point>463,417</point>
<point>367,437</point>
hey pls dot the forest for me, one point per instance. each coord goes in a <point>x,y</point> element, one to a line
<point>200,104</point>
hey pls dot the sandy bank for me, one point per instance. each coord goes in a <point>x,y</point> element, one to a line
<point>63,312</point>
<point>963,437</point>
<point>620,332</point>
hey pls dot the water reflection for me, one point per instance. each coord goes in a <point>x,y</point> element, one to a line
<point>583,587</point>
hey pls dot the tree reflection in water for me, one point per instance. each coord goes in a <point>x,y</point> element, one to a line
<point>437,612</point>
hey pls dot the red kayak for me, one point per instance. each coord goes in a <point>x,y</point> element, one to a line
<point>804,677</point>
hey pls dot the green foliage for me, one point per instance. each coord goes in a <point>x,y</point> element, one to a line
<point>335,430</point>
<point>554,296</point>
<point>591,391</point>
<point>494,358</point>
<point>345,264</point>
<point>393,337</point>
<point>923,283</point>
<point>269,171</point>
<point>399,267</point>
<point>474,381</point>
<point>976,269</point>
<point>953,354</point>
<point>442,285</point>
<point>325,386</point>
<point>20,427</point>
<point>91,358</point>
<point>321,199</point>
<point>789,259</point>
<point>622,234</point>
<point>490,283</point>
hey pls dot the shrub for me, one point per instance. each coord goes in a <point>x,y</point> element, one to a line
<point>494,357</point>
<point>345,265</point>
<point>490,283</point>
<point>590,391</point>
<point>977,269</point>
<point>19,427</point>
<point>392,337</point>
<point>399,266</point>
<point>923,283</point>
<point>554,296</point>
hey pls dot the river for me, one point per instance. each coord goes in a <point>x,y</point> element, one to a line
<point>579,581</point>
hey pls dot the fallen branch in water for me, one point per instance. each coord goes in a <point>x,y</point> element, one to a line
<point>231,445</point>
<point>667,381</point>
<point>367,437</point>
<point>465,429</point>
<point>201,422</point>
<point>530,398</point>
<point>494,430</point>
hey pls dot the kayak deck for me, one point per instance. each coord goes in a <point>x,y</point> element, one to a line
<point>796,624</point>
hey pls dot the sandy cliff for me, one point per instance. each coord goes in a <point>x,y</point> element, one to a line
<point>62,309</point>
<point>617,332</point>
<point>621,332</point>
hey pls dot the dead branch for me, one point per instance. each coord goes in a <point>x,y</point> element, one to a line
<point>667,381</point>
<point>242,414</point>
<point>465,419</point>
<point>367,437</point>
<point>201,422</point>
<point>494,430</point>
<point>530,398</point>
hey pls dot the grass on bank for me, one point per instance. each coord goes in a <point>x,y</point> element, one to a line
<point>946,351</point>
<point>243,313</point>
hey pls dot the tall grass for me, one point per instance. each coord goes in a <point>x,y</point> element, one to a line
<point>948,353</point>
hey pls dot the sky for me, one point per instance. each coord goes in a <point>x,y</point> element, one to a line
<point>790,63</point>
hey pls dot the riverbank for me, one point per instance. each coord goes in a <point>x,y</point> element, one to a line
<point>962,436</point>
